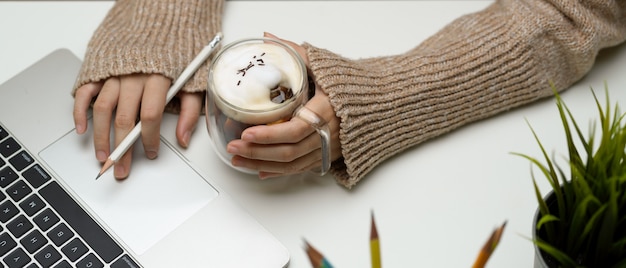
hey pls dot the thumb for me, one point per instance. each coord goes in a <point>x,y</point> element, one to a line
<point>299,49</point>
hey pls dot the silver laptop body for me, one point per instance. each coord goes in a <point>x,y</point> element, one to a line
<point>165,214</point>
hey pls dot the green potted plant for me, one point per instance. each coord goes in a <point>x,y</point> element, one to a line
<point>582,221</point>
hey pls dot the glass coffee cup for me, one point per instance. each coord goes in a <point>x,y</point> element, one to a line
<point>258,81</point>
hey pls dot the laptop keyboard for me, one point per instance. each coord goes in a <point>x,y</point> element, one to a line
<point>41,225</point>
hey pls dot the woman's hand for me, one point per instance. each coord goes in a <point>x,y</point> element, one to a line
<point>123,100</point>
<point>290,147</point>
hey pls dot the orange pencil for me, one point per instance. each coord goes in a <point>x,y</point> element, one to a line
<point>317,259</point>
<point>489,247</point>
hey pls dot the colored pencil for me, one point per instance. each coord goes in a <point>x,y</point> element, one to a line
<point>374,245</point>
<point>489,247</point>
<point>317,259</point>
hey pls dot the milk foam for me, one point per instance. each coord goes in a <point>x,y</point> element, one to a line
<point>245,74</point>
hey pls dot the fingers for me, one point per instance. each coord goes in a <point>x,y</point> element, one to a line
<point>102,113</point>
<point>299,49</point>
<point>291,131</point>
<point>269,169</point>
<point>152,105</point>
<point>191,106</point>
<point>286,148</point>
<point>128,97</point>
<point>82,101</point>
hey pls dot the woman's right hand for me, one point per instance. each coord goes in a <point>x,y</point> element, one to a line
<point>122,100</point>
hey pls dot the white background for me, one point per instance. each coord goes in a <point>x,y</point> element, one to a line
<point>435,204</point>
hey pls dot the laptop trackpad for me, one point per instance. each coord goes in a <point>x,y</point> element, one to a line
<point>156,198</point>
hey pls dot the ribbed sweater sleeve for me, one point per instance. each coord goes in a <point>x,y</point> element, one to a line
<point>479,65</point>
<point>152,36</point>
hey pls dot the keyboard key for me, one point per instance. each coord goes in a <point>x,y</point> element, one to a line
<point>3,133</point>
<point>63,264</point>
<point>32,205</point>
<point>9,147</point>
<point>60,234</point>
<point>124,262</point>
<point>33,241</point>
<point>90,261</point>
<point>81,222</point>
<point>19,226</point>
<point>18,190</point>
<point>47,256</point>
<point>6,243</point>
<point>7,211</point>
<point>21,160</point>
<point>7,176</point>
<point>36,176</point>
<point>46,219</point>
<point>17,258</point>
<point>74,249</point>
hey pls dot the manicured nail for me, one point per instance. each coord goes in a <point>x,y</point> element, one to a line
<point>152,154</point>
<point>232,149</point>
<point>264,175</point>
<point>236,162</point>
<point>247,137</point>
<point>186,139</point>
<point>119,172</point>
<point>80,128</point>
<point>101,156</point>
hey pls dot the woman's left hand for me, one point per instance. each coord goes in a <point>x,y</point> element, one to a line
<point>290,147</point>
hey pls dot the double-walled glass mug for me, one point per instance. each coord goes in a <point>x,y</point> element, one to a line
<point>258,81</point>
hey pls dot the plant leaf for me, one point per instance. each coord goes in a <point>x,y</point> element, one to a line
<point>558,255</point>
<point>608,225</point>
<point>576,237</point>
<point>545,219</point>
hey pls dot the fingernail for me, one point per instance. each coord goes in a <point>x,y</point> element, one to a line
<point>101,156</point>
<point>236,162</point>
<point>152,154</point>
<point>232,149</point>
<point>186,139</point>
<point>264,175</point>
<point>80,128</point>
<point>247,137</point>
<point>119,172</point>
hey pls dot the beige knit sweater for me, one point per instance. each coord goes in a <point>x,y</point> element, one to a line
<point>479,65</point>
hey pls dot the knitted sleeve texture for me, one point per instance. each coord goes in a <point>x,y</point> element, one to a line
<point>152,36</point>
<point>477,66</point>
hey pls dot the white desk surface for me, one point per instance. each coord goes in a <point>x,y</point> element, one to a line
<point>435,204</point>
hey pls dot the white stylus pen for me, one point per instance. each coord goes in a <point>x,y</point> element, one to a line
<point>134,134</point>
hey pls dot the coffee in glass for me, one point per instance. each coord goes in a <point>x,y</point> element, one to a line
<point>254,81</point>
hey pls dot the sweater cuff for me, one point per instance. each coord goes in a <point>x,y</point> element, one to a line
<point>149,36</point>
<point>472,69</point>
<point>479,65</point>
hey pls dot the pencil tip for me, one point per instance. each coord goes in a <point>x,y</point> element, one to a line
<point>105,166</point>
<point>373,230</point>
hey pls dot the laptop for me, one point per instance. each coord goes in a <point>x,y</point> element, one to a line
<point>53,213</point>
